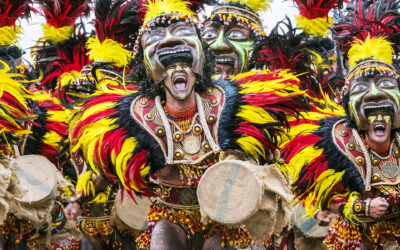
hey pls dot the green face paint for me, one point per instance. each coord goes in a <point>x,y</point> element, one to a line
<point>175,37</point>
<point>232,44</point>
<point>371,94</point>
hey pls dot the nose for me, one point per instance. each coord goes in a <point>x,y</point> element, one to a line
<point>170,41</point>
<point>374,94</point>
<point>220,45</point>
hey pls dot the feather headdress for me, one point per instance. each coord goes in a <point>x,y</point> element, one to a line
<point>116,26</point>
<point>365,34</point>
<point>61,16</point>
<point>10,12</point>
<point>242,12</point>
<point>313,18</point>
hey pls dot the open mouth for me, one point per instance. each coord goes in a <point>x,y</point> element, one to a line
<point>379,117</point>
<point>179,80</point>
<point>168,56</point>
<point>225,61</point>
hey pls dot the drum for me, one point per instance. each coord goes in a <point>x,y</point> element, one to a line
<point>308,225</point>
<point>38,176</point>
<point>132,215</point>
<point>234,192</point>
<point>230,192</point>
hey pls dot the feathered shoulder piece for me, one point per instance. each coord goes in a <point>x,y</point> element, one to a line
<point>15,115</point>
<point>117,135</point>
<point>259,105</point>
<point>313,18</point>
<point>286,48</point>
<point>61,16</point>
<point>49,134</point>
<point>323,164</point>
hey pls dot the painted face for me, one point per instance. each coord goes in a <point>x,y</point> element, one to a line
<point>374,105</point>
<point>180,81</point>
<point>165,45</point>
<point>232,45</point>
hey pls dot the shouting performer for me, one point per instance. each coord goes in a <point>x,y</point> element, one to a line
<point>163,139</point>
<point>231,31</point>
<point>350,165</point>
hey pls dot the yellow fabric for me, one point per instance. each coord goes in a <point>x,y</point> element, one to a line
<point>376,47</point>
<point>9,34</point>
<point>108,51</point>
<point>57,35</point>
<point>316,27</point>
<point>158,7</point>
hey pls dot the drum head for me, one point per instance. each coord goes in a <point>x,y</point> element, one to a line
<point>230,192</point>
<point>37,175</point>
<point>131,214</point>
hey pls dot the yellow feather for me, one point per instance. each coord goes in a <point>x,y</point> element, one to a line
<point>108,51</point>
<point>319,197</point>
<point>316,27</point>
<point>57,35</point>
<point>302,129</point>
<point>376,47</point>
<point>348,207</point>
<point>102,197</point>
<point>251,146</point>
<point>8,35</point>
<point>52,138</point>
<point>158,7</point>
<point>85,183</point>
<point>254,114</point>
<point>255,5</point>
<point>301,159</point>
<point>68,78</point>
<point>122,159</point>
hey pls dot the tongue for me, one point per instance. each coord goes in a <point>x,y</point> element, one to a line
<point>180,86</point>
<point>379,132</point>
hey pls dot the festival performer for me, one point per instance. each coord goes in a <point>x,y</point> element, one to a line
<point>163,139</point>
<point>232,30</point>
<point>349,164</point>
<point>95,205</point>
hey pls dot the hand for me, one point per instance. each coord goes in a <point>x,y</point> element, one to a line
<point>72,211</point>
<point>377,207</point>
<point>323,218</point>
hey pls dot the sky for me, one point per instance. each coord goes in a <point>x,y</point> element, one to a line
<point>33,30</point>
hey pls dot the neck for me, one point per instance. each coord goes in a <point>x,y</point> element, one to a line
<point>378,147</point>
<point>173,104</point>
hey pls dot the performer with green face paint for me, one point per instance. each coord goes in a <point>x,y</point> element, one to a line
<point>232,31</point>
<point>349,165</point>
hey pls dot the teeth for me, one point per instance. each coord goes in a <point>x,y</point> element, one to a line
<point>168,52</point>
<point>378,107</point>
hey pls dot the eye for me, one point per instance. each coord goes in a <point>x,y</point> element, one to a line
<point>387,84</point>
<point>210,34</point>
<point>359,88</point>
<point>236,35</point>
<point>153,38</point>
<point>183,32</point>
